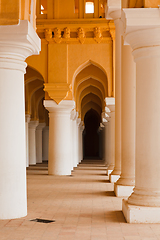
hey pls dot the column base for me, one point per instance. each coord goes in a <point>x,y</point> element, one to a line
<point>122,190</point>
<point>109,172</point>
<point>113,178</point>
<point>140,214</point>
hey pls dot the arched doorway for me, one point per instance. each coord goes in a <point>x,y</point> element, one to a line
<point>91,135</point>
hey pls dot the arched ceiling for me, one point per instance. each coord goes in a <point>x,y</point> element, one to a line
<point>91,98</point>
<point>34,94</point>
<point>32,74</point>
<point>86,91</point>
<point>88,106</point>
<point>87,83</point>
<point>90,88</point>
<point>91,72</point>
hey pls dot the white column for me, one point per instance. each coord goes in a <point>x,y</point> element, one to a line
<point>45,143</point>
<point>117,169</point>
<point>124,186</point>
<point>100,132</point>
<point>17,42</point>
<point>103,141</point>
<point>78,151</point>
<point>113,11</point>
<point>59,136</point>
<point>105,123</point>
<point>144,38</point>
<point>27,120</point>
<point>110,103</point>
<point>81,128</point>
<point>74,137</point>
<point>32,142</point>
<point>39,130</point>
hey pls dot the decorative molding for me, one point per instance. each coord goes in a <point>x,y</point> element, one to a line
<point>65,106</point>
<point>98,34</point>
<point>67,33</point>
<point>81,35</point>
<point>57,35</point>
<point>57,91</point>
<point>76,31</point>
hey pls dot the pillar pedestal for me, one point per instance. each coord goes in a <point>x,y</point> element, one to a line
<point>39,130</point>
<point>17,42</point>
<point>144,38</point>
<point>140,214</point>
<point>59,162</point>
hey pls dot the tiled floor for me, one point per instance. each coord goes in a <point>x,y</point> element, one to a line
<point>83,205</point>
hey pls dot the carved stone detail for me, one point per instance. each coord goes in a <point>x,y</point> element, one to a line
<point>98,34</point>
<point>66,34</point>
<point>48,34</point>
<point>57,35</point>
<point>81,35</point>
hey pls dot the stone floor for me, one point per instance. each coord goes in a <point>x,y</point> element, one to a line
<point>83,206</point>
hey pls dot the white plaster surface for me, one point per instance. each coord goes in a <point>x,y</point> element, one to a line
<point>39,130</point>
<point>45,143</point>
<point>109,172</point>
<point>60,137</point>
<point>123,191</point>
<point>113,178</point>
<point>140,214</point>
<point>17,42</point>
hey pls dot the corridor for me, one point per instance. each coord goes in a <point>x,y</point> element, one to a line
<point>83,206</point>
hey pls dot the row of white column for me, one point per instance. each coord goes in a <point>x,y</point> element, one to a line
<point>137,78</point>
<point>36,142</point>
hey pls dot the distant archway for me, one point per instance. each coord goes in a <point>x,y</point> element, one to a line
<point>90,136</point>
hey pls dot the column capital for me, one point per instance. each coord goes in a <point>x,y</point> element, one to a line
<point>110,105</point>
<point>27,118</point>
<point>78,121</point>
<point>105,121</point>
<point>101,125</point>
<point>65,106</point>
<point>105,115</point>
<point>33,124</point>
<point>41,126</point>
<point>74,115</point>
<point>81,126</point>
<point>110,101</point>
<point>17,42</point>
<point>141,27</point>
<point>113,9</point>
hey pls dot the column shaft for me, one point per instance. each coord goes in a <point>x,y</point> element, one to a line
<point>144,203</point>
<point>32,142</point>
<point>117,168</point>
<point>17,42</point>
<point>124,186</point>
<point>27,139</point>
<point>39,130</point>
<point>59,137</point>
<point>45,143</point>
